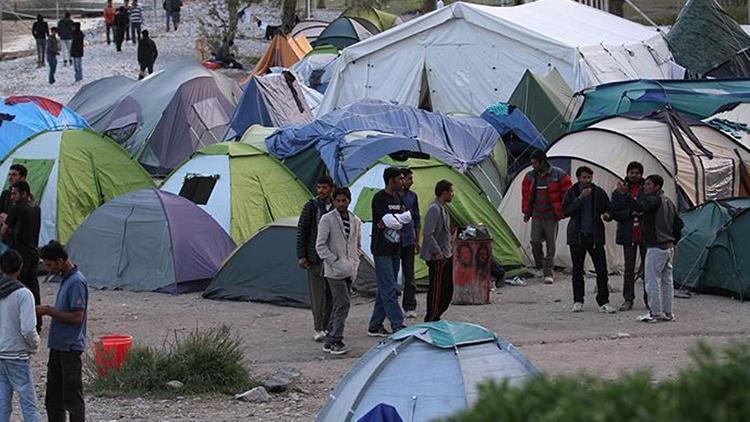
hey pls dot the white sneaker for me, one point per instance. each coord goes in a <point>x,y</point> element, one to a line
<point>607,309</point>
<point>410,314</point>
<point>549,280</point>
<point>319,336</point>
<point>577,307</point>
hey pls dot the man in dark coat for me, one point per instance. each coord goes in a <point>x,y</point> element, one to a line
<point>76,51</point>
<point>122,23</point>
<point>40,30</point>
<point>147,54</point>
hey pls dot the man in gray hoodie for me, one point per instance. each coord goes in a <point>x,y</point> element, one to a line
<point>18,340</point>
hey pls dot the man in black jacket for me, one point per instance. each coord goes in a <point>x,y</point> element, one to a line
<point>586,204</point>
<point>76,51</point>
<point>307,256</point>
<point>40,30</point>
<point>65,31</point>
<point>147,54</point>
<point>122,23</point>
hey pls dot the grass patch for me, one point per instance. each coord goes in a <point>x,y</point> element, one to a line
<point>205,361</point>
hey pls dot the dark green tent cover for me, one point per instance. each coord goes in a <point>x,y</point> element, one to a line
<point>547,101</point>
<point>708,42</point>
<point>713,254</point>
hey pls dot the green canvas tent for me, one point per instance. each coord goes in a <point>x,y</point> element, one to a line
<point>713,250</point>
<point>382,20</point>
<point>546,100</point>
<point>708,42</point>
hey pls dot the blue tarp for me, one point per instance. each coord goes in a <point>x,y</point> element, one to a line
<point>458,142</point>
<point>251,110</point>
<point>23,117</point>
<point>382,413</point>
<point>506,119</point>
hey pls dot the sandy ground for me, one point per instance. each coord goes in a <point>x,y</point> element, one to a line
<point>536,318</point>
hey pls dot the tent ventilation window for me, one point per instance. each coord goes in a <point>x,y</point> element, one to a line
<point>198,188</point>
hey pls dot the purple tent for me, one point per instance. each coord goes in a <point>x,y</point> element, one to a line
<point>150,240</point>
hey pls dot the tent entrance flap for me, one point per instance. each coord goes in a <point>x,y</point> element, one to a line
<point>39,171</point>
<point>198,188</point>
<point>210,120</point>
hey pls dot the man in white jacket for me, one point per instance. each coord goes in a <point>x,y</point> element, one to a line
<point>18,340</point>
<point>337,245</point>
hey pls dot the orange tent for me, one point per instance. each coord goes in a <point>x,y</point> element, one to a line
<point>284,51</point>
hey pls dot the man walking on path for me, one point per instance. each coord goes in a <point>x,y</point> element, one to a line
<point>437,251</point>
<point>109,19</point>
<point>629,233</point>
<point>586,204</point>
<point>409,244</point>
<point>76,51</point>
<point>126,4</point>
<point>337,244</point>
<point>67,336</point>
<point>65,30</point>
<point>121,26</point>
<point>53,50</point>
<point>136,20</point>
<point>147,54</point>
<point>18,341</point>
<point>40,30</point>
<point>543,190</point>
<point>173,9</point>
<point>387,220</point>
<point>307,255</point>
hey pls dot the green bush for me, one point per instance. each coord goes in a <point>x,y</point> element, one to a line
<point>207,360</point>
<point>716,387</point>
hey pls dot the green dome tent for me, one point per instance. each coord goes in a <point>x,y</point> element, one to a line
<point>71,173</point>
<point>382,20</point>
<point>547,101</point>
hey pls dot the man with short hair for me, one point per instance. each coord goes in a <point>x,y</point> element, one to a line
<point>40,31</point>
<point>67,336</point>
<point>337,244</point>
<point>18,340</point>
<point>136,20</point>
<point>65,30</point>
<point>388,216</point>
<point>307,255</point>
<point>409,244</point>
<point>17,173</point>
<point>437,251</point>
<point>147,54</point>
<point>53,50</point>
<point>76,51</point>
<point>587,204</point>
<point>109,19</point>
<point>543,190</point>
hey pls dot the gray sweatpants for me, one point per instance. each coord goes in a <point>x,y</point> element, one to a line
<point>340,310</point>
<point>543,231</point>
<point>320,297</point>
<point>659,284</point>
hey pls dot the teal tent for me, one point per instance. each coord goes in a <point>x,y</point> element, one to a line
<point>713,250</point>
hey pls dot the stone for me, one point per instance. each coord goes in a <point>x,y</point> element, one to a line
<point>256,395</point>
<point>281,380</point>
<point>175,385</point>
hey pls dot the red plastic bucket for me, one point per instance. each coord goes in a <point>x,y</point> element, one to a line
<point>110,352</point>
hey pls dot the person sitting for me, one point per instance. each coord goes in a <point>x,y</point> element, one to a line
<point>224,56</point>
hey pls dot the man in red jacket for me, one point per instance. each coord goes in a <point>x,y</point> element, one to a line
<point>544,188</point>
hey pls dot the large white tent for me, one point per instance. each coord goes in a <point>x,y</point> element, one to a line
<point>464,57</point>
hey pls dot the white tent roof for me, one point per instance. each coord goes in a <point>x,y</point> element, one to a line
<point>473,55</point>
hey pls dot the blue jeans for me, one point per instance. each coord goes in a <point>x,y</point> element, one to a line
<point>386,298</point>
<point>15,375</point>
<point>41,45</point>
<point>78,68</point>
<point>52,62</point>
<point>135,32</point>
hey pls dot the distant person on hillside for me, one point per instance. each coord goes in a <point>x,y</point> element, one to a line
<point>136,20</point>
<point>53,50</point>
<point>40,30</point>
<point>126,4</point>
<point>76,51</point>
<point>173,9</point>
<point>65,31</point>
<point>121,26</point>
<point>147,54</point>
<point>109,19</point>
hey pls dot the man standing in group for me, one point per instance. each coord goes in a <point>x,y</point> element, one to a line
<point>136,20</point>
<point>543,190</point>
<point>173,9</point>
<point>147,54</point>
<point>67,336</point>
<point>126,4</point>
<point>76,51</point>
<point>385,246</point>
<point>109,19</point>
<point>662,228</point>
<point>307,256</point>
<point>629,230</point>
<point>53,50</point>
<point>121,27</point>
<point>21,230</point>
<point>337,244</point>
<point>18,340</point>
<point>409,244</point>
<point>437,251</point>
<point>40,30</point>
<point>586,204</point>
<point>65,30</point>
<point>17,173</point>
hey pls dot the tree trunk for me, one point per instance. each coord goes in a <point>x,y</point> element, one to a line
<point>288,14</point>
<point>429,5</point>
<point>615,7</point>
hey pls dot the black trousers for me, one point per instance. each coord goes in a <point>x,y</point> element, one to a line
<point>440,292</point>
<point>409,301</point>
<point>29,278</point>
<point>630,253</point>
<point>599,256</point>
<point>65,387</point>
<point>119,36</point>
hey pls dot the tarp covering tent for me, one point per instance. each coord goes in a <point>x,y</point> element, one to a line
<point>72,173</point>
<point>696,99</point>
<point>149,240</point>
<point>346,31</point>
<point>316,68</point>
<point>240,186</point>
<point>547,101</point>
<point>469,206</point>
<point>284,51</point>
<point>353,137</point>
<point>713,248</point>
<point>165,117</point>
<point>464,57</point>
<point>708,42</point>
<point>310,28</point>
<point>256,136</point>
<point>24,116</point>
<point>382,20</point>
<point>264,269</point>
<point>426,372</point>
<point>276,99</point>
<point>734,121</point>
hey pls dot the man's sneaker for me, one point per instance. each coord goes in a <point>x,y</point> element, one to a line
<point>648,318</point>
<point>626,306</point>
<point>549,280</point>
<point>577,307</point>
<point>327,347</point>
<point>607,309</point>
<point>668,317</point>
<point>379,332</point>
<point>319,336</point>
<point>338,348</point>
<point>410,314</point>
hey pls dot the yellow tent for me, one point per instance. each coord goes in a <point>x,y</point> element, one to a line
<point>284,51</point>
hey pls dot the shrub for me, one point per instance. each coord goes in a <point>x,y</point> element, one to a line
<point>205,360</point>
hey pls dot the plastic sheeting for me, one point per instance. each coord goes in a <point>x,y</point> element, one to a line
<point>520,136</point>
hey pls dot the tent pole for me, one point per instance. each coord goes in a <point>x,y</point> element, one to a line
<point>651,22</point>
